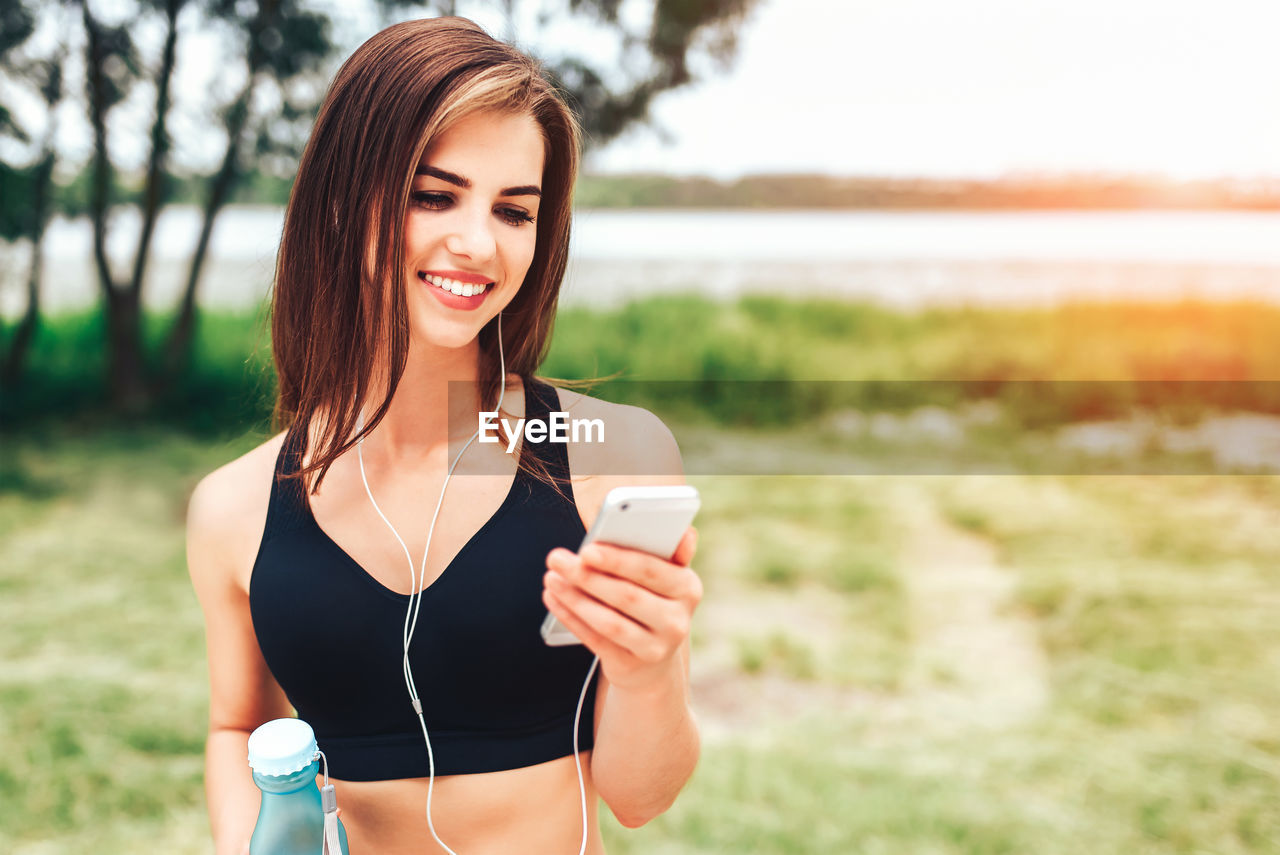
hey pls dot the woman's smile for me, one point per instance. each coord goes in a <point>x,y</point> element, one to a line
<point>455,293</point>
<point>468,289</point>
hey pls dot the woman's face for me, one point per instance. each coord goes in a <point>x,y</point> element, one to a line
<point>469,228</point>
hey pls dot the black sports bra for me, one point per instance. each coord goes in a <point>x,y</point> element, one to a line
<point>494,696</point>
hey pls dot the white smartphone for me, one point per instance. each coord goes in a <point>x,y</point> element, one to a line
<point>650,519</point>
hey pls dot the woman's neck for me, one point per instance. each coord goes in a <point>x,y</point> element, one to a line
<point>436,401</point>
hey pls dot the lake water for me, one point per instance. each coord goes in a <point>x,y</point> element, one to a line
<point>900,258</point>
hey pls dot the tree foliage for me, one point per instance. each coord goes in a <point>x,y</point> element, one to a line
<point>285,50</point>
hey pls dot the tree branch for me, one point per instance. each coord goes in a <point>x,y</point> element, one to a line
<point>154,189</point>
<point>96,89</point>
<point>178,342</point>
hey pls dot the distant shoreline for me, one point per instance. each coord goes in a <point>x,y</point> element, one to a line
<point>798,191</point>
<point>1051,193</point>
<point>902,258</point>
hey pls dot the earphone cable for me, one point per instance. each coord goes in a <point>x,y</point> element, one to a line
<point>415,604</point>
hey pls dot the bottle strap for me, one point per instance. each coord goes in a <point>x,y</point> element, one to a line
<point>329,801</point>
<point>332,843</point>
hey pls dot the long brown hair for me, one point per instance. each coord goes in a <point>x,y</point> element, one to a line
<point>335,322</point>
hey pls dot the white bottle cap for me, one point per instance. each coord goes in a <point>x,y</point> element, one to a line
<point>281,747</point>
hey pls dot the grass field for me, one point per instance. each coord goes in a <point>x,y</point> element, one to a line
<point>883,664</point>
<point>910,660</point>
<point>820,356</point>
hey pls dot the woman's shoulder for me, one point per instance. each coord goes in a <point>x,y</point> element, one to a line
<point>635,441</point>
<point>228,509</point>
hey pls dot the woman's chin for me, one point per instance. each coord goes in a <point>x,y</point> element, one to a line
<point>444,337</point>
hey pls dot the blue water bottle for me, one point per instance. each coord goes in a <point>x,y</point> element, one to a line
<point>295,818</point>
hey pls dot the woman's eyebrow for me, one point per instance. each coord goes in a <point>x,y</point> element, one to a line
<point>465,183</point>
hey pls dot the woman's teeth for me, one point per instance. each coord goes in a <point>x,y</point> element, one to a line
<point>462,289</point>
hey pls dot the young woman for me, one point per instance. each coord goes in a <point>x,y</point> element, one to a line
<point>416,284</point>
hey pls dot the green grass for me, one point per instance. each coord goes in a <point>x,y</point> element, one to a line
<point>778,544</point>
<point>102,706</point>
<point>838,787</point>
<point>688,357</point>
<point>1155,599</point>
<point>792,657</point>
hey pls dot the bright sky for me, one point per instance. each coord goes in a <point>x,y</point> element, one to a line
<point>983,87</point>
<point>921,87</point>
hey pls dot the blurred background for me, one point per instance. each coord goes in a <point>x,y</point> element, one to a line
<point>966,317</point>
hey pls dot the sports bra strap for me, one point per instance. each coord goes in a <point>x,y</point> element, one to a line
<point>541,400</point>
<point>288,507</point>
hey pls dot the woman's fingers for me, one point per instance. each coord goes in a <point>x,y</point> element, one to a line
<point>604,619</point>
<point>688,546</point>
<point>664,578</point>
<point>625,603</point>
<point>597,643</point>
<point>639,604</point>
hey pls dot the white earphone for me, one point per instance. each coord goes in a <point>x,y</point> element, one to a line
<point>416,578</point>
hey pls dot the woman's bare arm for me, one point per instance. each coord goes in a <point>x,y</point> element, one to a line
<point>224,525</point>
<point>634,611</point>
<point>646,747</point>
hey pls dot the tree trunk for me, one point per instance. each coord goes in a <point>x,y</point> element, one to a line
<point>177,349</point>
<point>126,381</point>
<point>181,337</point>
<point>15,354</point>
<point>126,369</point>
<point>154,189</point>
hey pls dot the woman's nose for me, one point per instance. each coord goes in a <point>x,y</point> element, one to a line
<point>473,237</point>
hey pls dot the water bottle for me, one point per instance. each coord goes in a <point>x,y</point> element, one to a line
<point>294,818</point>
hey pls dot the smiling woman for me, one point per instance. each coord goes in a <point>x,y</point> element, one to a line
<point>488,219</point>
<point>416,283</point>
<point>383,160</point>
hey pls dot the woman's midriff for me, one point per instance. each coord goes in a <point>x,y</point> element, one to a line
<point>536,810</point>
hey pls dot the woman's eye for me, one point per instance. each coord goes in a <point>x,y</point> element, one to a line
<point>514,216</point>
<point>431,200</point>
<point>440,201</point>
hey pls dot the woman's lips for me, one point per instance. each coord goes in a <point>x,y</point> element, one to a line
<point>450,299</point>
